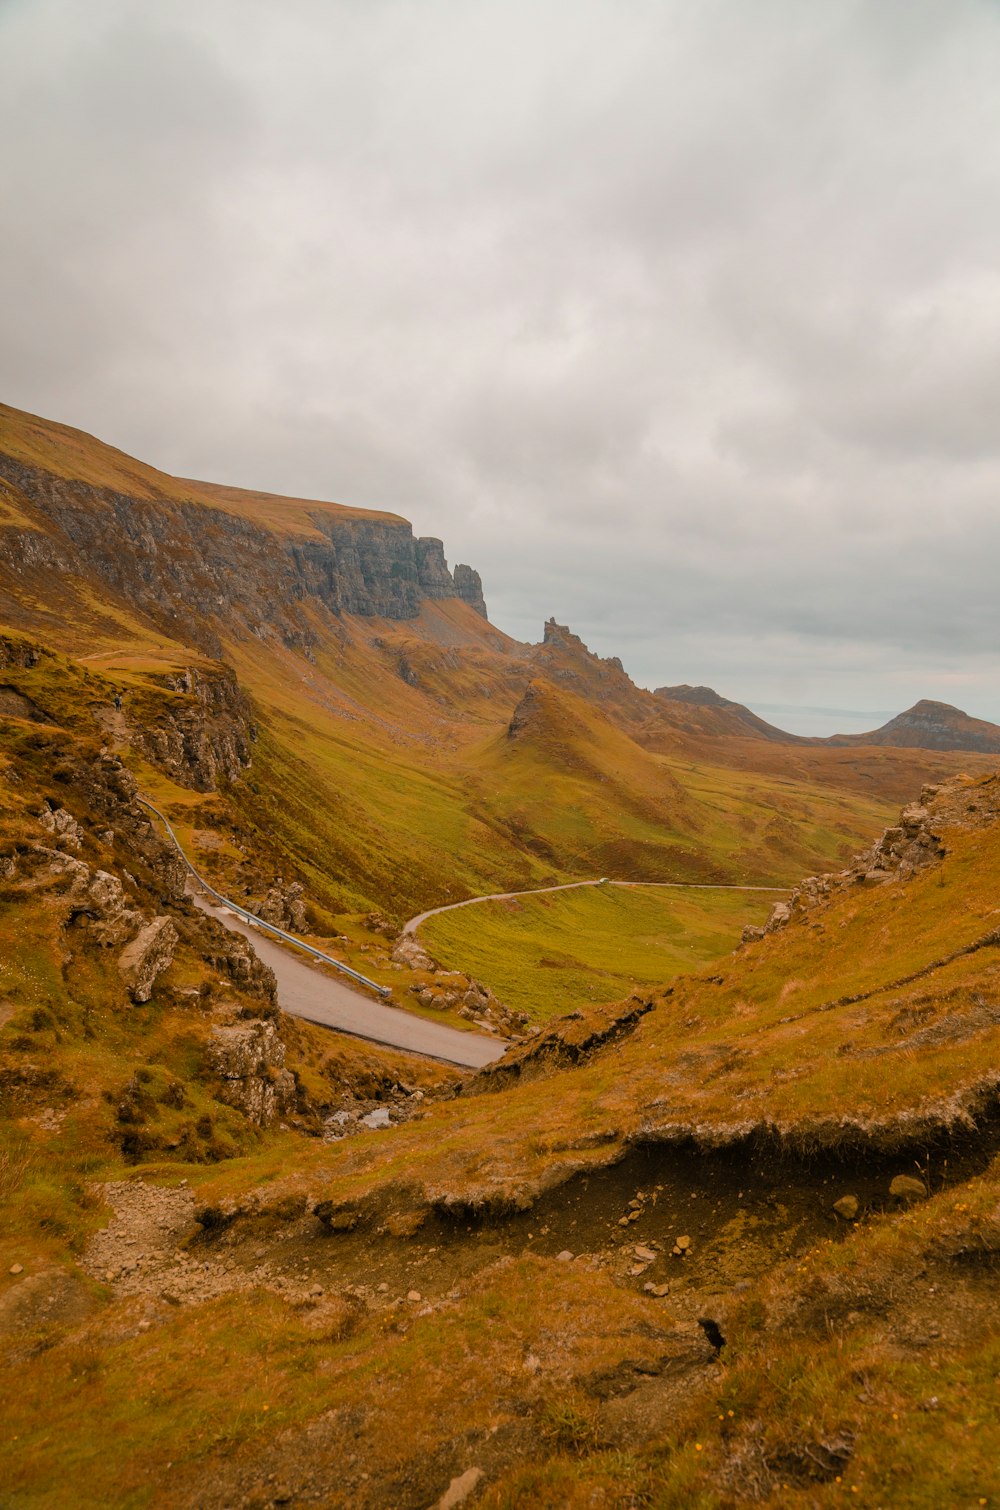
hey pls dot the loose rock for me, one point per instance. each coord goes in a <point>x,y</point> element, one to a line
<point>907,1188</point>
<point>847,1207</point>
<point>459,1489</point>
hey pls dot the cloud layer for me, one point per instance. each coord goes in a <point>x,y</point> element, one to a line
<point>680,319</point>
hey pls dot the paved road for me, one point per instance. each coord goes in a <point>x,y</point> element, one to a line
<point>305,990</point>
<point>537,891</point>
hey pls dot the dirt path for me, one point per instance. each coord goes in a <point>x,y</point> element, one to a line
<point>537,891</point>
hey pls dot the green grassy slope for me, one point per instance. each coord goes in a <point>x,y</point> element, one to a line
<point>547,955</point>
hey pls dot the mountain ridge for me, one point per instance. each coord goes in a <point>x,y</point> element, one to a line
<point>928,725</point>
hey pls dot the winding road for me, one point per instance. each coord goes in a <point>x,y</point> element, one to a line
<point>537,891</point>
<point>304,990</point>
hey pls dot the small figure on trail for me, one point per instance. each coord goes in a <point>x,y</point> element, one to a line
<point>118,702</point>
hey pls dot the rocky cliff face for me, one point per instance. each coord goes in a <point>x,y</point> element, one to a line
<point>198,571</point>
<point>202,736</point>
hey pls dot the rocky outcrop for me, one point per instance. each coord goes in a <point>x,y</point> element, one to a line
<point>283,906</point>
<point>147,956</point>
<point>250,1062</point>
<point>18,654</point>
<point>917,841</point>
<point>469,587</point>
<point>112,922</point>
<point>203,734</point>
<point>195,570</point>
<point>62,826</point>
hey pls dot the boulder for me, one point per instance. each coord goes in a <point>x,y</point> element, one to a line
<point>906,1188</point>
<point>283,906</point>
<point>147,956</point>
<point>250,1060</point>
<point>781,912</point>
<point>62,826</point>
<point>112,920</point>
<point>847,1207</point>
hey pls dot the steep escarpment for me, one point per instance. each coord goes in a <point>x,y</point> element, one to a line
<point>202,562</point>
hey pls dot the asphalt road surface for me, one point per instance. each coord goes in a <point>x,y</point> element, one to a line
<point>306,990</point>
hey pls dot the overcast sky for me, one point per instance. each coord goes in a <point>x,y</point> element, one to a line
<point>678,319</point>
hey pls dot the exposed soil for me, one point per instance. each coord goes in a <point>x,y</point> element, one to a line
<point>733,1214</point>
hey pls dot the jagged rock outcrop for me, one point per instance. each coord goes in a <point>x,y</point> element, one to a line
<point>62,826</point>
<point>105,906</point>
<point>917,841</point>
<point>283,906</point>
<point>195,570</point>
<point>147,956</point>
<point>469,587</point>
<point>202,736</point>
<point>249,1061</point>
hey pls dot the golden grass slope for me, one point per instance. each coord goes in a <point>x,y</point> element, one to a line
<point>868,1021</point>
<point>69,453</point>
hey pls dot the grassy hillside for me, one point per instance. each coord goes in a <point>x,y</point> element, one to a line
<point>512,1281</point>
<point>659,1255</point>
<point>548,955</point>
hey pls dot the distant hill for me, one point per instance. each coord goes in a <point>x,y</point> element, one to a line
<point>719,715</point>
<point>929,726</point>
<point>926,726</point>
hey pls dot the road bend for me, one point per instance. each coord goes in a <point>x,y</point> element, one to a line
<point>509,896</point>
<point>304,990</point>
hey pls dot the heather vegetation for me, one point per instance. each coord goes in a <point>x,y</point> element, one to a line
<point>720,1228</point>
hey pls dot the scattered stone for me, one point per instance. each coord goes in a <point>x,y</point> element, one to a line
<point>459,1489</point>
<point>414,1296</point>
<point>907,1188</point>
<point>408,952</point>
<point>847,1207</point>
<point>378,1118</point>
<point>16,1269</point>
<point>383,1288</point>
<point>682,1245</point>
<point>657,1291</point>
<point>645,1255</point>
<point>565,1257</point>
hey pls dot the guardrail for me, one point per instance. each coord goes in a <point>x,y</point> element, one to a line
<point>251,917</point>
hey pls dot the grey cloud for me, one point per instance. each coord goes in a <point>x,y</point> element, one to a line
<point>679,320</point>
